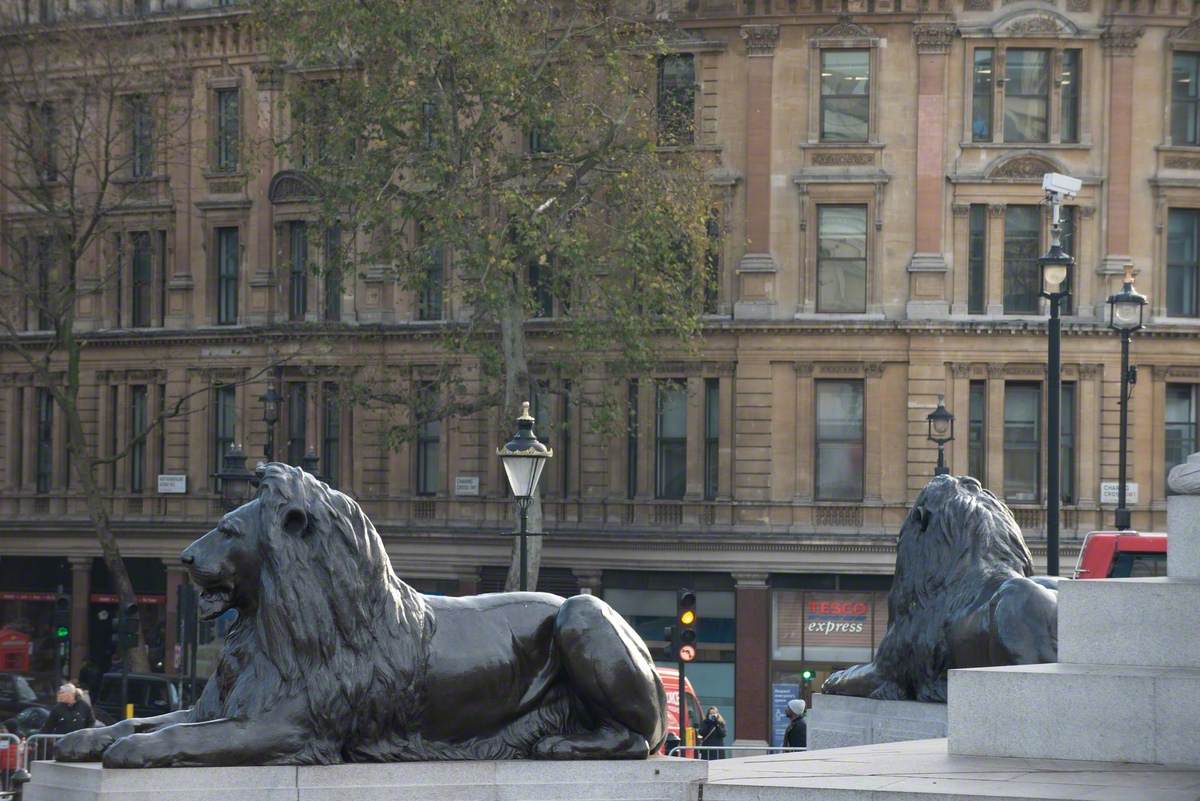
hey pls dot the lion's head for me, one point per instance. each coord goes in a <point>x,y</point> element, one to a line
<point>955,529</point>
<point>303,565</point>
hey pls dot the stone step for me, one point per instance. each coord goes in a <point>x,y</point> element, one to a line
<point>1114,713</point>
<point>1146,621</point>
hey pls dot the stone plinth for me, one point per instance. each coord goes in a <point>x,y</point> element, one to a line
<point>837,721</point>
<point>1147,621</point>
<point>656,779</point>
<point>1109,713</point>
<point>1183,536</point>
<point>923,770</point>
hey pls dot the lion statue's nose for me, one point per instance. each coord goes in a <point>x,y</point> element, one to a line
<point>186,557</point>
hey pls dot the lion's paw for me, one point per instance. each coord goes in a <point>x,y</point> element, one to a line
<point>85,745</point>
<point>137,751</point>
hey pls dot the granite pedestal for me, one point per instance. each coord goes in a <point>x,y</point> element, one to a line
<point>839,721</point>
<point>656,779</point>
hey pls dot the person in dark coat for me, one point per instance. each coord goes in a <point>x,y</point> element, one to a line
<point>71,713</point>
<point>796,735</point>
<point>712,733</point>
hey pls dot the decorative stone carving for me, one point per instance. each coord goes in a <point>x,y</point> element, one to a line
<point>873,369</point>
<point>1081,6</point>
<point>842,30</point>
<point>960,209</point>
<point>978,5</point>
<point>268,76</point>
<point>995,371</point>
<point>804,369</point>
<point>1024,167</point>
<point>760,39</point>
<point>1184,479</point>
<point>1181,163</point>
<point>843,159</point>
<point>290,186</point>
<point>1035,23</point>
<point>1121,41</point>
<point>960,369</point>
<point>1089,370</point>
<point>1087,212</point>
<point>934,37</point>
<point>996,209</point>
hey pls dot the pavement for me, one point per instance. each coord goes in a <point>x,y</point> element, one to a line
<point>923,770</point>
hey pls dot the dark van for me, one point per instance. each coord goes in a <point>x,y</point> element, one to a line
<point>150,693</point>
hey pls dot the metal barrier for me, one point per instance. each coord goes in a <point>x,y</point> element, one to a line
<point>12,759</point>
<point>761,749</point>
<point>39,747</point>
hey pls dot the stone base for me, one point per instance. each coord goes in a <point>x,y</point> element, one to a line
<point>1141,622</point>
<point>1106,713</point>
<point>838,721</point>
<point>655,779</point>
<point>925,771</point>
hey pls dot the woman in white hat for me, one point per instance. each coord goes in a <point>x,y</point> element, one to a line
<point>796,735</point>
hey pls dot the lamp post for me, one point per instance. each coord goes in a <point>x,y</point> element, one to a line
<point>941,431</point>
<point>310,462</point>
<point>1056,273</point>
<point>1125,309</point>
<point>270,401</point>
<point>235,478</point>
<point>524,457</point>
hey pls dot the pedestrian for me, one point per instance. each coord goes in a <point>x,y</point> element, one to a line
<point>796,735</point>
<point>712,733</point>
<point>71,713</point>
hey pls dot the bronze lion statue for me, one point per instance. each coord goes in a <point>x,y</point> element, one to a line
<point>964,595</point>
<point>334,659</point>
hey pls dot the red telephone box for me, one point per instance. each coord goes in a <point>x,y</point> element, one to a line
<point>14,651</point>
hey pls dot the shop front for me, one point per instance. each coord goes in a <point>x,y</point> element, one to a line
<point>815,632</point>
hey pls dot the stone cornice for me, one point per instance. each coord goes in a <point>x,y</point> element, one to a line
<point>1121,41</point>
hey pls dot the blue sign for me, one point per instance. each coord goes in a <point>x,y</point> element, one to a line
<point>780,695</point>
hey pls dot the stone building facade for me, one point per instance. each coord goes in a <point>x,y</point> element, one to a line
<point>876,167</point>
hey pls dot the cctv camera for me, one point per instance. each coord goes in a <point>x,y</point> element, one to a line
<point>1063,186</point>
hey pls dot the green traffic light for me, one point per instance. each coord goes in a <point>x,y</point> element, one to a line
<point>807,675</point>
<point>63,632</point>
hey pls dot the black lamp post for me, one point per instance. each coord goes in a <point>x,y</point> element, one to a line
<point>1056,273</point>
<point>235,479</point>
<point>270,401</point>
<point>1125,310</point>
<point>524,457</point>
<point>310,462</point>
<point>941,431</point>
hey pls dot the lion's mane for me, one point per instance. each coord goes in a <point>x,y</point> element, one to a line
<point>957,545</point>
<point>333,625</point>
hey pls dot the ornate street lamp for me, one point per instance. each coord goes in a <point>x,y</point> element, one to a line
<point>310,462</point>
<point>941,431</point>
<point>236,480</point>
<point>1056,268</point>
<point>270,401</point>
<point>524,457</point>
<point>1125,310</point>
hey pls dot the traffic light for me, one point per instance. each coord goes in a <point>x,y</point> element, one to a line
<point>62,617</point>
<point>686,621</point>
<point>806,676</point>
<point>669,650</point>
<point>128,626</point>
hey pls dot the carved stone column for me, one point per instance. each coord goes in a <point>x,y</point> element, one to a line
<point>756,290</point>
<point>994,297</point>
<point>928,263</point>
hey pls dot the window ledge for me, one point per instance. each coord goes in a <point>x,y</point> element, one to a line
<point>212,173</point>
<point>1183,322</point>
<point>1086,145</point>
<point>842,145</point>
<point>839,316</point>
<point>145,179</point>
<point>688,148</point>
<point>1178,148</point>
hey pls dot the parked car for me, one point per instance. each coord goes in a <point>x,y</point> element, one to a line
<point>150,693</point>
<point>28,721</point>
<point>17,693</point>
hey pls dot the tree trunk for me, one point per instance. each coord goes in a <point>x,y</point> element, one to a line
<point>516,390</point>
<point>85,471</point>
